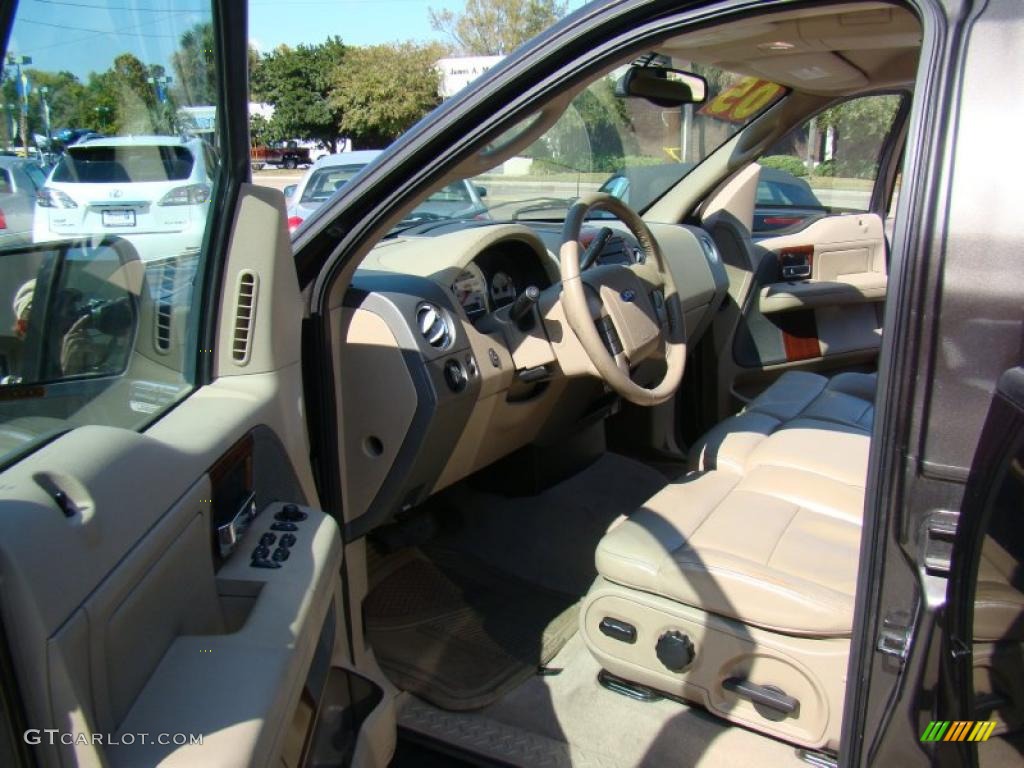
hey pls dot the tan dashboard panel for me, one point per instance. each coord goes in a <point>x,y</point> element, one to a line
<point>378,402</point>
<point>498,427</point>
<point>423,256</point>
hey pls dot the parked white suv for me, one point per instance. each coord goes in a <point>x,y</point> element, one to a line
<point>153,191</point>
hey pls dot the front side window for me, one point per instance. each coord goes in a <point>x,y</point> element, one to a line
<point>828,165</point>
<point>111,122</point>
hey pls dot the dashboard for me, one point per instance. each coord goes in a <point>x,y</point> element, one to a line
<point>458,383</point>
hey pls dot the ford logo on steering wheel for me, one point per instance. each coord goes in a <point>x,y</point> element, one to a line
<point>627,295</point>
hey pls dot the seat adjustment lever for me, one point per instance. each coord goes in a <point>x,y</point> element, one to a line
<point>769,697</point>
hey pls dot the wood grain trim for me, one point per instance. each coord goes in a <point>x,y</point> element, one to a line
<point>799,335</point>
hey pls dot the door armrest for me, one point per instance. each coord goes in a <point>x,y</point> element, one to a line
<point>809,294</point>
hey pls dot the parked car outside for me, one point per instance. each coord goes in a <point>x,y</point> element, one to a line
<point>153,191</point>
<point>332,172</point>
<point>20,180</point>
<point>288,154</point>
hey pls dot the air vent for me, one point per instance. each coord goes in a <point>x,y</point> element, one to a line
<point>164,314</point>
<point>433,325</point>
<point>245,315</point>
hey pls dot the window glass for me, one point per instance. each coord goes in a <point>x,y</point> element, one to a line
<point>325,182</point>
<point>625,146</point>
<point>110,137</point>
<point>126,164</point>
<point>998,612</point>
<point>827,165</point>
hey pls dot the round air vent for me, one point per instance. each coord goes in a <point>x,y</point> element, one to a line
<point>433,324</point>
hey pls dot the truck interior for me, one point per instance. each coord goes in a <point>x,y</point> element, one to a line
<point>595,473</point>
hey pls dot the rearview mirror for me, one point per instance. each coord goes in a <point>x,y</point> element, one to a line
<point>662,86</point>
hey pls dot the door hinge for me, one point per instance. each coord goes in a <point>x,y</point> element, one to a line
<point>938,547</point>
<point>894,637</point>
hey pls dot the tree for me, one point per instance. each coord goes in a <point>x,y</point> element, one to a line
<point>194,68</point>
<point>381,90</point>
<point>298,83</point>
<point>858,127</point>
<point>497,27</point>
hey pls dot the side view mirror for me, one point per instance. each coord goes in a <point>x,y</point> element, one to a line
<point>290,190</point>
<point>481,190</point>
<point>662,86</point>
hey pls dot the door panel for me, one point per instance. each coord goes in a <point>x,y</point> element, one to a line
<point>158,407</point>
<point>831,279</point>
<point>810,300</point>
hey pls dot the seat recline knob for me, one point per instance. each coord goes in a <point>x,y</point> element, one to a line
<point>675,650</point>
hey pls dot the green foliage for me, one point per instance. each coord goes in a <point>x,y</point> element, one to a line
<point>496,27</point>
<point>260,131</point>
<point>788,163</point>
<point>859,126</point>
<point>382,90</point>
<point>299,83</point>
<point>589,136</point>
<point>194,67</point>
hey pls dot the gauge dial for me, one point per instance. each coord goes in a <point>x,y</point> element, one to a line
<point>503,289</point>
<point>470,289</point>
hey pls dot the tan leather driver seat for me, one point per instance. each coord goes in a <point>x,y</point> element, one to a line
<point>734,587</point>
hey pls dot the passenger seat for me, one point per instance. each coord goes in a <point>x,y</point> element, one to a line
<point>843,403</point>
<point>735,586</point>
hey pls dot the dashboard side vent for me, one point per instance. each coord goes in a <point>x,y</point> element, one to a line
<point>434,326</point>
<point>163,317</point>
<point>709,248</point>
<point>245,315</point>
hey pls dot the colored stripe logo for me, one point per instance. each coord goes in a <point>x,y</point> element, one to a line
<point>958,730</point>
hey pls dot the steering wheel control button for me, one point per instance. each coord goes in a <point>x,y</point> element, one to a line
<point>288,540</point>
<point>675,650</point>
<point>622,631</point>
<point>264,564</point>
<point>267,540</point>
<point>290,513</point>
<point>280,555</point>
<point>609,335</point>
<point>261,552</point>
<point>455,375</point>
<point>284,527</point>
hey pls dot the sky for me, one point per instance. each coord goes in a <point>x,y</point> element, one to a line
<point>83,36</point>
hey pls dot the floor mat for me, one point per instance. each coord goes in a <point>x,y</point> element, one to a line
<point>459,634</point>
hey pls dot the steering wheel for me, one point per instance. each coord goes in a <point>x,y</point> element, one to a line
<point>623,314</point>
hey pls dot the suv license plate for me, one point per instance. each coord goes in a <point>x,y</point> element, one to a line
<point>119,218</point>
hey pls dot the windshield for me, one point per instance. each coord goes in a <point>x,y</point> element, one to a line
<point>326,181</point>
<point>627,147</point>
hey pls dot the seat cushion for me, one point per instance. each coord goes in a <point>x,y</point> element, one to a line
<point>844,403</point>
<point>777,548</point>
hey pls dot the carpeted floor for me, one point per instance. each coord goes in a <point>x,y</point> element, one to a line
<point>548,539</point>
<point>460,634</point>
<point>570,720</point>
